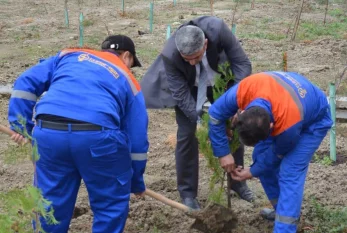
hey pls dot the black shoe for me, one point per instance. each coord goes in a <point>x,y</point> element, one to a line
<point>242,190</point>
<point>191,203</point>
<point>268,214</point>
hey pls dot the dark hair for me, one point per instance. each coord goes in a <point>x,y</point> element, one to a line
<point>253,125</point>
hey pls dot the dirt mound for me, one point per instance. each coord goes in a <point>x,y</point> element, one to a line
<point>215,219</point>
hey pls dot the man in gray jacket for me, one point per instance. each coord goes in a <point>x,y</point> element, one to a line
<point>182,77</point>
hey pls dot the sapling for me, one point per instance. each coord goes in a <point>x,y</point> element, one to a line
<point>285,62</point>
<point>211,6</point>
<point>218,175</point>
<point>20,207</point>
<point>297,21</point>
<point>326,11</point>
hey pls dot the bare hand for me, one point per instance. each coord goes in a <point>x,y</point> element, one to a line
<point>140,195</point>
<point>230,134</point>
<point>240,174</point>
<point>227,163</point>
<point>18,138</point>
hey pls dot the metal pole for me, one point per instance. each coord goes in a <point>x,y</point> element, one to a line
<point>151,17</point>
<point>168,32</point>
<point>81,29</point>
<point>332,101</point>
<point>233,28</point>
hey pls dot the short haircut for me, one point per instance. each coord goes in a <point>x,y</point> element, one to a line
<point>189,40</point>
<point>253,125</point>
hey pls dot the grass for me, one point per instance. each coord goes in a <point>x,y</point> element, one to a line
<point>312,31</point>
<point>15,153</point>
<point>198,4</point>
<point>92,41</point>
<point>324,160</point>
<point>88,22</point>
<point>323,2</point>
<point>36,52</point>
<point>336,12</point>
<point>267,36</point>
<point>337,29</point>
<point>327,220</point>
<point>155,230</point>
<point>147,54</point>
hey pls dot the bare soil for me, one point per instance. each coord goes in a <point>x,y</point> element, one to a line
<point>33,29</point>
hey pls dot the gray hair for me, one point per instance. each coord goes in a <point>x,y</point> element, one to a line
<point>189,40</point>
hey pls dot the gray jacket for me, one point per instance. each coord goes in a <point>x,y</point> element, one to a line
<point>170,79</point>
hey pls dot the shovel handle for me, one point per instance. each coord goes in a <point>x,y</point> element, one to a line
<point>6,130</point>
<point>166,200</point>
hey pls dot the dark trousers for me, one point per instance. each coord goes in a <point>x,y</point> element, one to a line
<point>187,156</point>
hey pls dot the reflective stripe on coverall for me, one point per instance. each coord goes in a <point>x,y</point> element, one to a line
<point>95,87</point>
<point>301,116</point>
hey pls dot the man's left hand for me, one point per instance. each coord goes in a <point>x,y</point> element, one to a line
<point>140,195</point>
<point>241,174</point>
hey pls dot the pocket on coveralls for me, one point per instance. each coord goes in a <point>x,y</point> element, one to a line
<point>124,178</point>
<point>110,150</point>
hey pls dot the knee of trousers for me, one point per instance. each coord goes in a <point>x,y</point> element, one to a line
<point>186,132</point>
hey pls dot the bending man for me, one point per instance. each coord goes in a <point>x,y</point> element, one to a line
<point>285,117</point>
<point>182,77</point>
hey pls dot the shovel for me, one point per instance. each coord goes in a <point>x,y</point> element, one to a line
<point>214,218</point>
<point>10,132</point>
<point>6,130</point>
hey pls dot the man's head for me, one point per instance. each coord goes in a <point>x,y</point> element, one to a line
<point>253,125</point>
<point>191,43</point>
<point>124,47</point>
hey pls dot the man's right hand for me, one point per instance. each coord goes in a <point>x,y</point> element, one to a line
<point>18,138</point>
<point>227,163</point>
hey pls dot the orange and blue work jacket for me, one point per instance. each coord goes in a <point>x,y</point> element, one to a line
<point>90,86</point>
<point>291,100</point>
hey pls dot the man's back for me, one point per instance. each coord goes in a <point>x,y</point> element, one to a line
<point>293,98</point>
<point>86,85</point>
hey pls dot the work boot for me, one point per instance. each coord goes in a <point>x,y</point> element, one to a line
<point>191,203</point>
<point>242,190</point>
<point>268,214</point>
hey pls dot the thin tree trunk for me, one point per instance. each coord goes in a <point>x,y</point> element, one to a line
<point>297,20</point>
<point>234,13</point>
<point>211,5</point>
<point>326,11</point>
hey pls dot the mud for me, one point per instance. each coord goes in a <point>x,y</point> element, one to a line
<point>32,29</point>
<point>214,219</point>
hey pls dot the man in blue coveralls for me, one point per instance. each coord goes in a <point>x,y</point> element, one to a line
<point>285,117</point>
<point>91,124</point>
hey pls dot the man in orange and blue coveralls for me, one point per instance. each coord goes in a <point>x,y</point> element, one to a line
<point>91,124</point>
<point>285,117</point>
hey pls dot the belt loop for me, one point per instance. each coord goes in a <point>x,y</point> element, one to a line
<point>69,127</point>
<point>102,128</point>
<point>39,124</point>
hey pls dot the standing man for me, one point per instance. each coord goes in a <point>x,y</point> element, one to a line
<point>285,117</point>
<point>182,77</point>
<point>91,124</point>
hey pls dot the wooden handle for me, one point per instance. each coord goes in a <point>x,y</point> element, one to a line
<point>166,200</point>
<point>6,130</point>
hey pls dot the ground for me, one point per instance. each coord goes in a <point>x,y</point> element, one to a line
<point>30,30</point>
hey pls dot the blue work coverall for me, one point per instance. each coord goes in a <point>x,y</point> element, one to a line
<point>301,116</point>
<point>97,88</point>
